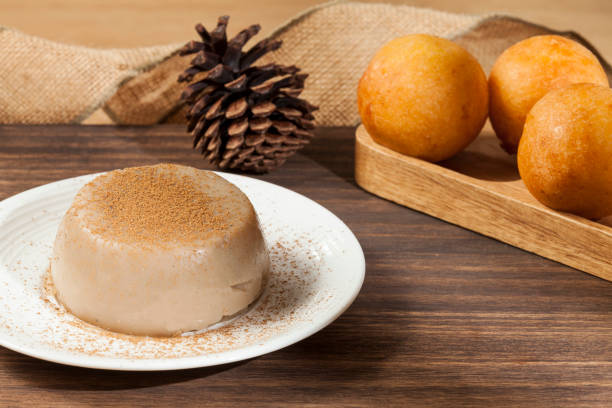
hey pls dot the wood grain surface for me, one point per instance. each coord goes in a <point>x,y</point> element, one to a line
<point>446,317</point>
<point>480,189</point>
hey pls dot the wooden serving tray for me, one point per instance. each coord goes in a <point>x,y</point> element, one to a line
<point>480,189</point>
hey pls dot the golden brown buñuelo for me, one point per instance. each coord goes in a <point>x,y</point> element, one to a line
<point>423,96</point>
<point>565,152</point>
<point>526,71</point>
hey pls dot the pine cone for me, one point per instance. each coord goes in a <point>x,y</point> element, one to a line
<point>243,116</point>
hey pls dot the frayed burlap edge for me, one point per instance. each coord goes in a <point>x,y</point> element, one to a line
<point>48,82</point>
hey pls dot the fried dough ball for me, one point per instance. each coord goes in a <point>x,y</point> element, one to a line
<point>423,96</point>
<point>565,153</point>
<point>526,71</point>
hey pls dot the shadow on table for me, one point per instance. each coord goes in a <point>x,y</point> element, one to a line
<point>337,356</point>
<point>43,374</point>
<point>483,159</point>
<point>334,149</point>
<point>359,343</point>
<point>333,353</point>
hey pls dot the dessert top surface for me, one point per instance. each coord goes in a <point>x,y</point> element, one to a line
<point>161,204</point>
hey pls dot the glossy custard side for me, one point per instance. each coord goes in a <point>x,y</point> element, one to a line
<point>158,250</point>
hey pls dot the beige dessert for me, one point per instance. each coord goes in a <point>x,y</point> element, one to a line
<point>158,250</point>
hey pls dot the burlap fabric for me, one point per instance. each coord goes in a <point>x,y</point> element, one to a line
<point>47,82</point>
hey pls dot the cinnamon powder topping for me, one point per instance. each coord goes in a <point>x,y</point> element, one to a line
<point>154,205</point>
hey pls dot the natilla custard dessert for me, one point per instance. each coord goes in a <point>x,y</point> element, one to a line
<point>158,250</point>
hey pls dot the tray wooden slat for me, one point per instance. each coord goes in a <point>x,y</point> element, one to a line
<point>480,190</point>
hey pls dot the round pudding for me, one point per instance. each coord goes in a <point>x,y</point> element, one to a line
<point>158,250</point>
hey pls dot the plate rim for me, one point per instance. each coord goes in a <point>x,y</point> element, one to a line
<point>275,343</point>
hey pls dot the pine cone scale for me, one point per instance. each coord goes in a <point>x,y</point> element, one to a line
<point>259,50</point>
<point>205,60</point>
<point>204,35</point>
<point>232,144</point>
<point>254,139</point>
<point>237,108</point>
<point>263,109</point>
<point>238,128</point>
<point>213,129</point>
<point>260,125</point>
<point>215,109</point>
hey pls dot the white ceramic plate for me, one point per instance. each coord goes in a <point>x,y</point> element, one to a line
<point>318,268</point>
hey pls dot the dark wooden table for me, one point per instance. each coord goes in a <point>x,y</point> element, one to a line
<point>446,317</point>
